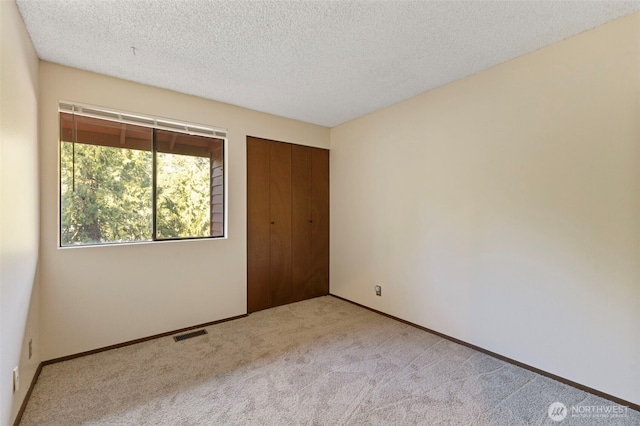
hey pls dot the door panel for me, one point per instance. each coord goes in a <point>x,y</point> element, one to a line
<point>280,218</point>
<point>320,217</point>
<point>258,227</point>
<point>302,254</point>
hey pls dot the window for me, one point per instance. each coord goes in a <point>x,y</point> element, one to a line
<point>127,178</point>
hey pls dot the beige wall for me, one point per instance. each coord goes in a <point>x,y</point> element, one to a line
<point>504,209</point>
<point>18,209</point>
<point>98,296</point>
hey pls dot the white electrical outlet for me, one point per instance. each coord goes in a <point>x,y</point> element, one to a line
<point>378,290</point>
<point>16,379</point>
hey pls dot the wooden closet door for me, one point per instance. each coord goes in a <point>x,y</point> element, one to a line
<point>258,225</point>
<point>287,223</point>
<point>280,222</point>
<point>301,223</point>
<point>320,222</point>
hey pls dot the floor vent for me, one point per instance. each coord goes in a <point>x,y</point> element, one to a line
<point>189,335</point>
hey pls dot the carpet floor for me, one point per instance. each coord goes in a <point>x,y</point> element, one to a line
<point>319,362</point>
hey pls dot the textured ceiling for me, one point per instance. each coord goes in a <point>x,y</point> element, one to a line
<point>323,62</point>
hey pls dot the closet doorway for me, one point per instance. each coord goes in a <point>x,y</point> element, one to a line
<point>287,223</point>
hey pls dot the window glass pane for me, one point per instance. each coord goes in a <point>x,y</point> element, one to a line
<point>183,196</point>
<point>105,194</point>
<point>107,182</point>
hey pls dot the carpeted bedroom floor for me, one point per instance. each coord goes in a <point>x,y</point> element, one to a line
<point>319,362</point>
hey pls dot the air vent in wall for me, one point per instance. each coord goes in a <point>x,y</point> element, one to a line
<point>185,336</point>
